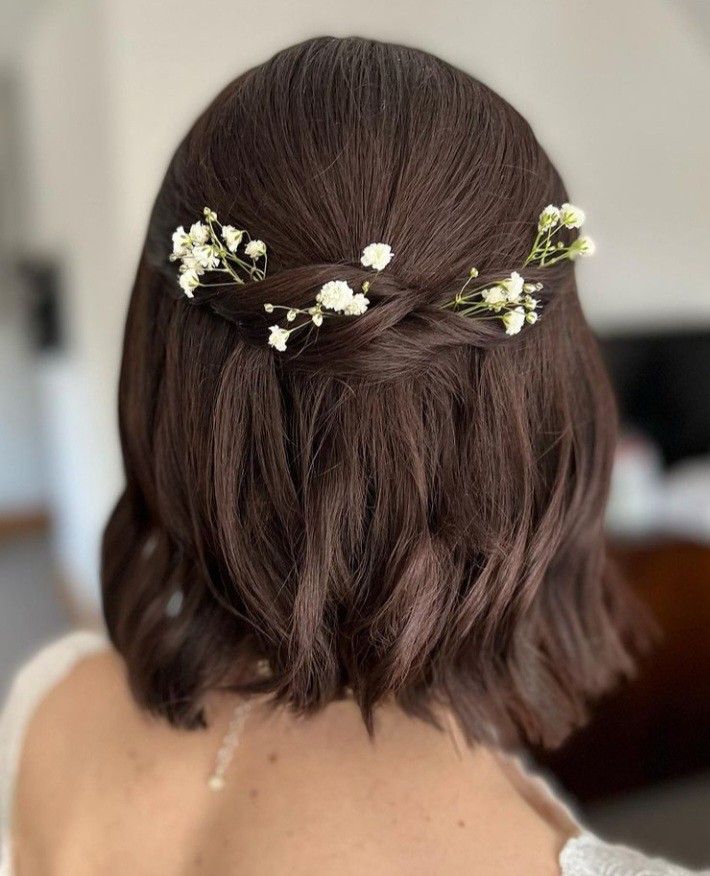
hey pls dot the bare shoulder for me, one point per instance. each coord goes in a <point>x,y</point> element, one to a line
<point>94,684</point>
<point>60,743</point>
<point>94,768</point>
<point>70,715</point>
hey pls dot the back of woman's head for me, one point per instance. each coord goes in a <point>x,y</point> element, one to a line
<point>407,504</point>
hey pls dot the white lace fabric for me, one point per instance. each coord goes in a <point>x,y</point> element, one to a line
<point>583,855</point>
<point>586,855</point>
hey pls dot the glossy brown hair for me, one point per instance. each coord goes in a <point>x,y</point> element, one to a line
<point>408,503</point>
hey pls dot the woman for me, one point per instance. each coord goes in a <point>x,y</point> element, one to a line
<point>358,561</point>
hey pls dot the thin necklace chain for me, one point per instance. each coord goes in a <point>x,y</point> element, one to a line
<point>230,740</point>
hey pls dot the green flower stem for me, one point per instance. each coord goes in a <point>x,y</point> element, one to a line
<point>228,257</point>
<point>540,251</point>
<point>215,285</point>
<point>562,254</point>
<point>464,299</point>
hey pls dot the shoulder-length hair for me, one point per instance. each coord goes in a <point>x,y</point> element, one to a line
<point>408,505</point>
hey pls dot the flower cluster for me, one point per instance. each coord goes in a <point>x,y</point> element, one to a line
<point>546,250</point>
<point>210,246</point>
<point>336,297</point>
<point>512,300</point>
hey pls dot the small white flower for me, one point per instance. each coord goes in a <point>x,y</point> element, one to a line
<point>530,303</point>
<point>201,249</point>
<point>291,315</point>
<point>513,320</point>
<point>190,263</point>
<point>550,216</point>
<point>531,318</point>
<point>496,297</point>
<point>317,318</point>
<point>335,295</point>
<point>571,216</point>
<point>269,308</point>
<point>188,281</point>
<point>357,306</point>
<point>582,246</point>
<point>473,273</point>
<point>232,237</point>
<point>377,256</point>
<point>278,337</point>
<point>206,257</point>
<point>199,233</point>
<point>181,242</point>
<point>514,287</point>
<point>255,249</point>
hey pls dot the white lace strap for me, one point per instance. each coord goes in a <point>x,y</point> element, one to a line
<point>31,684</point>
<point>586,855</point>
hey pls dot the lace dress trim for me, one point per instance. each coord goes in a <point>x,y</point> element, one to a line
<point>586,855</point>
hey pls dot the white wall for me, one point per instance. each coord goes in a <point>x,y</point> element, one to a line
<point>617,92</point>
<point>71,216</point>
<point>21,469</point>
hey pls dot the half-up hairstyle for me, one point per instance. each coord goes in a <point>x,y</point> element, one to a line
<point>408,505</point>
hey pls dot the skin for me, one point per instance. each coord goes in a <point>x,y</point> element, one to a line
<point>104,788</point>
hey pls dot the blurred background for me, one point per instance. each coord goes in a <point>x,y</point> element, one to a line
<point>94,95</point>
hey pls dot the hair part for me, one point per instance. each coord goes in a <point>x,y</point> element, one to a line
<point>408,505</point>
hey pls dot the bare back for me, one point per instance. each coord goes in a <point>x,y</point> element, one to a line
<point>103,787</point>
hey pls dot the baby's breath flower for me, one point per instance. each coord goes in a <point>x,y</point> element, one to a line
<point>513,320</point>
<point>190,263</point>
<point>335,295</point>
<point>531,317</point>
<point>317,318</point>
<point>278,337</point>
<point>232,237</point>
<point>255,249</point>
<point>473,273</point>
<point>571,216</point>
<point>206,257</point>
<point>513,287</point>
<point>550,216</point>
<point>199,233</point>
<point>291,315</point>
<point>582,246</point>
<point>377,256</point>
<point>269,308</point>
<point>530,303</point>
<point>357,305</point>
<point>189,280</point>
<point>496,297</point>
<point>200,249</point>
<point>181,242</point>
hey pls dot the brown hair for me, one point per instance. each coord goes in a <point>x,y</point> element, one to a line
<point>410,504</point>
